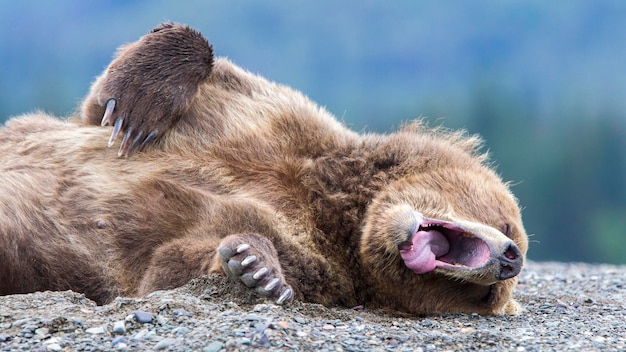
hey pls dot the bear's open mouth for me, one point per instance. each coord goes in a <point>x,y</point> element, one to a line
<point>442,244</point>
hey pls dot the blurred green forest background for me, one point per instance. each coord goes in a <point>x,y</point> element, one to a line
<point>544,82</point>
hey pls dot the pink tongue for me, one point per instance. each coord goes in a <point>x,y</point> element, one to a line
<point>427,246</point>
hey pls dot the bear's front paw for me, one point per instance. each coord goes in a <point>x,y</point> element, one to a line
<point>252,259</point>
<point>148,88</point>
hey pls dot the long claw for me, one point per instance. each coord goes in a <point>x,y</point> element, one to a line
<point>243,247</point>
<point>108,112</point>
<point>116,131</point>
<point>123,150</point>
<point>135,141</point>
<point>286,295</point>
<point>249,260</point>
<point>149,138</point>
<point>272,284</point>
<point>260,273</point>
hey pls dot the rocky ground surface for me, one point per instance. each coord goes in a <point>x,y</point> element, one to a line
<point>578,307</point>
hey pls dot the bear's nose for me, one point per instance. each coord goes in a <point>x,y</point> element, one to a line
<point>511,262</point>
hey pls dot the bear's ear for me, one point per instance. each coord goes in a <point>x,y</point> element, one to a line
<point>149,87</point>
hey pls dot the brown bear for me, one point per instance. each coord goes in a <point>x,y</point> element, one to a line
<point>219,170</point>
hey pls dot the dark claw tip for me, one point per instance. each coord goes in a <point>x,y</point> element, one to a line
<point>116,131</point>
<point>123,148</point>
<point>135,141</point>
<point>149,138</point>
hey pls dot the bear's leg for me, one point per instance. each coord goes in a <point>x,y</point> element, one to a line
<point>177,262</point>
<point>270,265</point>
<point>254,260</point>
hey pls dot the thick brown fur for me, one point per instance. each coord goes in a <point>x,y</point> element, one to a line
<point>237,161</point>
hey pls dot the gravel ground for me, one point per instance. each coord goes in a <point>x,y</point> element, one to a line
<point>573,306</point>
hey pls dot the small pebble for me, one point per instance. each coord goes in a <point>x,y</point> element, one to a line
<point>393,343</point>
<point>181,312</point>
<point>143,317</point>
<point>161,320</point>
<point>599,339</point>
<point>260,327</point>
<point>21,322</point>
<point>141,334</point>
<point>245,341</point>
<point>180,331</point>
<point>55,347</point>
<point>52,340</point>
<point>118,340</point>
<point>214,346</point>
<point>231,343</point>
<point>150,335</point>
<point>253,317</point>
<point>263,340</point>
<point>42,331</point>
<point>262,308</point>
<point>119,327</point>
<point>165,343</point>
<point>95,331</point>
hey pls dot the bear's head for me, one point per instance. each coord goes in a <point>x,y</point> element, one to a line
<point>448,236</point>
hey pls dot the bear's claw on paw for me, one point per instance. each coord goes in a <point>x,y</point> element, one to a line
<point>117,127</point>
<point>250,269</point>
<point>243,247</point>
<point>286,296</point>
<point>138,140</point>
<point>260,273</point>
<point>271,285</point>
<point>249,260</point>
<point>108,112</point>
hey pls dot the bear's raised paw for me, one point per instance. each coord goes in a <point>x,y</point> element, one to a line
<point>148,88</point>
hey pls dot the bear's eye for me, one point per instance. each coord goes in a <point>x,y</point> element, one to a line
<point>507,230</point>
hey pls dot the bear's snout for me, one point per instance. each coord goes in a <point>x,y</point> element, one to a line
<point>511,262</point>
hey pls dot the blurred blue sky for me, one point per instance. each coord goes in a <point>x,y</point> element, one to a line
<point>543,81</point>
<point>424,57</point>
